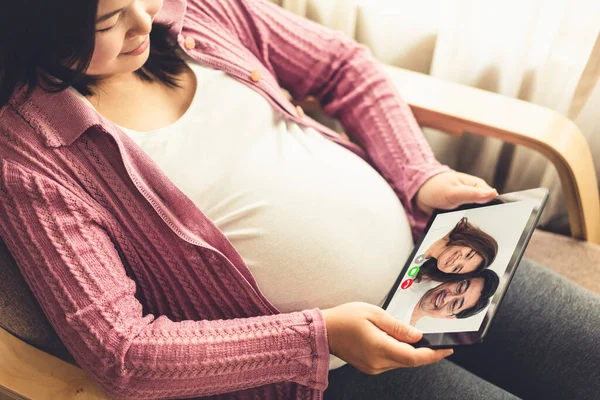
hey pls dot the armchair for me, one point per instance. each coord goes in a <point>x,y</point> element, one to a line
<point>28,372</point>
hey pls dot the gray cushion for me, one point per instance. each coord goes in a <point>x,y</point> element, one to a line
<point>20,313</point>
<point>576,260</point>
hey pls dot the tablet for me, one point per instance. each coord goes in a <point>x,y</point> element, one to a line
<point>455,279</point>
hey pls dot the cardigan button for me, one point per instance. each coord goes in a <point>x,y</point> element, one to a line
<point>255,76</point>
<point>189,43</point>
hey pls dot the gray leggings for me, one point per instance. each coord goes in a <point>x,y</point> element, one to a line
<point>543,344</point>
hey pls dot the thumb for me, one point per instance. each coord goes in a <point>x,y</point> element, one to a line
<point>397,329</point>
<point>470,194</point>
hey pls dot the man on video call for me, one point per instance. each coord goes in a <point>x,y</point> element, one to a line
<point>461,299</point>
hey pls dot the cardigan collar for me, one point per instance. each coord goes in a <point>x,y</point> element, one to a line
<point>61,118</point>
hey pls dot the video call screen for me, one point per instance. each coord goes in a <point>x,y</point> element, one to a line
<point>459,267</point>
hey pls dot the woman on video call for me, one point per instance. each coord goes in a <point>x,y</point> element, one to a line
<point>461,253</point>
<point>190,232</point>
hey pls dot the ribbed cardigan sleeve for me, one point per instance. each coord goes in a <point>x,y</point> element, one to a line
<point>309,59</point>
<point>76,274</point>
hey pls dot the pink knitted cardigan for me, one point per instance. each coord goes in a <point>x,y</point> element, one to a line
<point>147,294</point>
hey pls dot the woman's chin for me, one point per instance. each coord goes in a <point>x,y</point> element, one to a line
<point>140,61</point>
<point>129,68</point>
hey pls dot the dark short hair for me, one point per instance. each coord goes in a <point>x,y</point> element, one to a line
<point>464,233</point>
<point>490,285</point>
<point>41,40</point>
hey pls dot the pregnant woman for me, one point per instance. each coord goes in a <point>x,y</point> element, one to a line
<point>190,232</point>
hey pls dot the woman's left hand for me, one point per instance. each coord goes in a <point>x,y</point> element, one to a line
<point>449,190</point>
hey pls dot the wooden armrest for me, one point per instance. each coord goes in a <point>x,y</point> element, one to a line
<point>29,373</point>
<point>456,108</point>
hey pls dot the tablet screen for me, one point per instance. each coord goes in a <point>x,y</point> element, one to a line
<point>459,266</point>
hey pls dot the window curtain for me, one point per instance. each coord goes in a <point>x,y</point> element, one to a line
<point>545,52</point>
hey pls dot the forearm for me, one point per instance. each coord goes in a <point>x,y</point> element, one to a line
<point>311,60</point>
<point>162,358</point>
<point>371,111</point>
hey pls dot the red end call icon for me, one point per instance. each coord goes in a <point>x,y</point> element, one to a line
<point>406,284</point>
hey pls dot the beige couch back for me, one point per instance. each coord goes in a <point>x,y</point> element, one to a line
<point>413,26</point>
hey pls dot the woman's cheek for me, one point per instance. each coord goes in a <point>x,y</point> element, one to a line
<point>104,57</point>
<point>446,256</point>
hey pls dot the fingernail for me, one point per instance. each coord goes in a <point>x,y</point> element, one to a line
<point>413,333</point>
<point>449,353</point>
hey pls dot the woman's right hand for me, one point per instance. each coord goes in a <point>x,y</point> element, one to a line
<point>372,340</point>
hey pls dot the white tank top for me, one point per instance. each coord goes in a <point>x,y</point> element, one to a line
<point>316,224</point>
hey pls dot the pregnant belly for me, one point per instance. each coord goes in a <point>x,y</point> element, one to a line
<point>317,227</point>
